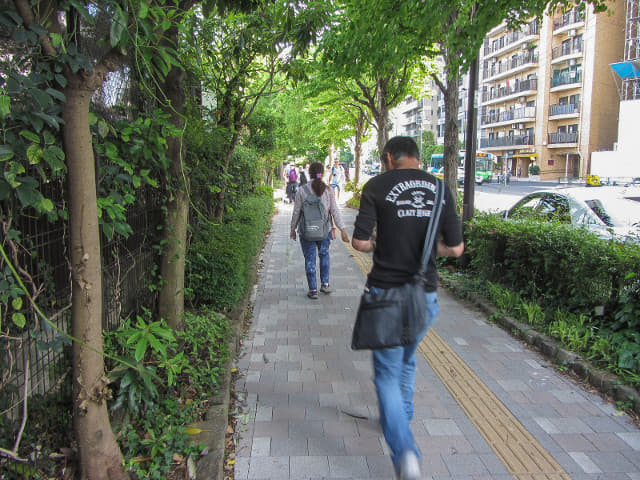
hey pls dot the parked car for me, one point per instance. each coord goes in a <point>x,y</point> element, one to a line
<point>610,212</point>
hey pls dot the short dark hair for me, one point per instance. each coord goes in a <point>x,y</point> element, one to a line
<point>400,147</point>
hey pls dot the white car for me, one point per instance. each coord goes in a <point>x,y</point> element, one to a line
<point>608,211</point>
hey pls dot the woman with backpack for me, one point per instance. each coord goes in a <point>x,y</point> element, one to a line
<point>314,212</point>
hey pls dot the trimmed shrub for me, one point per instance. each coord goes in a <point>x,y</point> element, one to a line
<point>559,266</point>
<point>221,256</point>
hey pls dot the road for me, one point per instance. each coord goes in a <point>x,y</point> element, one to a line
<point>498,196</point>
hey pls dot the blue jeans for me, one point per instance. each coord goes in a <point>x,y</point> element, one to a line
<point>395,375</point>
<point>309,252</point>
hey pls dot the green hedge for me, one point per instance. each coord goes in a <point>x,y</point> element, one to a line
<point>221,256</point>
<point>558,266</point>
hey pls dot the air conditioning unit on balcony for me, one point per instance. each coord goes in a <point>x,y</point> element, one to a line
<point>572,62</point>
<point>522,99</point>
<point>514,125</point>
<point>521,126</point>
<point>572,32</point>
<point>494,60</point>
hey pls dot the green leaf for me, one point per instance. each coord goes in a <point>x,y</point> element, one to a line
<point>103,128</point>
<point>43,99</point>
<point>118,27</point>
<point>29,135</point>
<point>61,79</point>
<point>34,154</point>
<point>28,196</point>
<point>141,348</point>
<point>16,303</point>
<point>57,94</point>
<point>144,10</point>
<point>45,205</point>
<point>82,10</point>
<point>19,319</point>
<point>52,121</point>
<point>5,105</point>
<point>6,153</point>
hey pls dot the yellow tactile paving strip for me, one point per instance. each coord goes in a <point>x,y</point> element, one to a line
<point>519,451</point>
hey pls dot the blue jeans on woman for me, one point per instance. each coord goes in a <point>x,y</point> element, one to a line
<point>309,251</point>
<point>395,375</point>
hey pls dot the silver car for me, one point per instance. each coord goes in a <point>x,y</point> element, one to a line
<point>611,212</point>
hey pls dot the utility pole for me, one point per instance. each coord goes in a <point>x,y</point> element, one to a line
<point>470,145</point>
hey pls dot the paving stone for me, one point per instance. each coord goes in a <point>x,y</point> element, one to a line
<point>305,390</point>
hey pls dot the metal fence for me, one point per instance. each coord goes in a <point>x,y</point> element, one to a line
<point>36,356</point>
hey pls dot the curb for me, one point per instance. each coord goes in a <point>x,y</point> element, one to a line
<point>605,382</point>
<point>210,464</point>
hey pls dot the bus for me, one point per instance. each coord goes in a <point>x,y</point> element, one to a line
<point>485,164</point>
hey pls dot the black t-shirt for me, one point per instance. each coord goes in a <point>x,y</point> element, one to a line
<point>399,203</point>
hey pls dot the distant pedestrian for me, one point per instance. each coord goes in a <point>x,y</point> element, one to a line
<point>303,177</point>
<point>317,187</point>
<point>519,172</point>
<point>336,178</point>
<point>291,179</point>
<point>399,203</point>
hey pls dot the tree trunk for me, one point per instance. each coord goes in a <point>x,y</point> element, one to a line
<point>360,123</point>
<point>172,266</point>
<point>451,142</point>
<point>100,456</point>
<point>382,117</point>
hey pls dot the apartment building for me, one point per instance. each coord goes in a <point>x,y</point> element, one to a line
<point>547,95</point>
<point>622,163</point>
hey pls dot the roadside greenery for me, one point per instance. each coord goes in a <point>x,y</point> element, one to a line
<point>569,283</point>
<point>176,373</point>
<point>219,261</point>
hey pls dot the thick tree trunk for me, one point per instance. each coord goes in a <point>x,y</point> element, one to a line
<point>100,456</point>
<point>451,142</point>
<point>172,267</point>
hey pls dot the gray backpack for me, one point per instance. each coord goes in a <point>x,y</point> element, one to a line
<point>314,223</point>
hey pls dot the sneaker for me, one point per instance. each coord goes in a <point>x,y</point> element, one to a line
<point>409,466</point>
<point>325,288</point>
<point>313,294</point>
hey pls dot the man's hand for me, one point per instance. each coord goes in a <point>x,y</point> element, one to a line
<point>292,235</point>
<point>443,250</point>
<point>344,235</point>
<point>364,245</point>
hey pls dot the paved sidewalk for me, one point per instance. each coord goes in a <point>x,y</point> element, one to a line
<point>311,409</point>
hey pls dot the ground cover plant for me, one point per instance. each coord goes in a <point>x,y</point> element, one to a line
<point>568,283</point>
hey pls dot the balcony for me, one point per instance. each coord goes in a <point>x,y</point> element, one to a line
<point>510,116</point>
<point>509,141</point>
<point>571,18</point>
<point>564,110</point>
<point>512,39</point>
<point>529,86</point>
<point>567,50</point>
<point>563,138</point>
<point>563,78</point>
<point>509,66</point>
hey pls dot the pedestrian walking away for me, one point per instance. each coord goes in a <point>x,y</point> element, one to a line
<point>336,178</point>
<point>398,205</point>
<point>316,200</point>
<point>291,178</point>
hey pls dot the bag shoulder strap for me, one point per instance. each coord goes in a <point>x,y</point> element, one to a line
<point>433,225</point>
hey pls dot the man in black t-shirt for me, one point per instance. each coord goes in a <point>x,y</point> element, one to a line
<point>398,204</point>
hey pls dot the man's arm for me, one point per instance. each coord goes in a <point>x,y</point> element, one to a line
<point>443,250</point>
<point>364,245</point>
